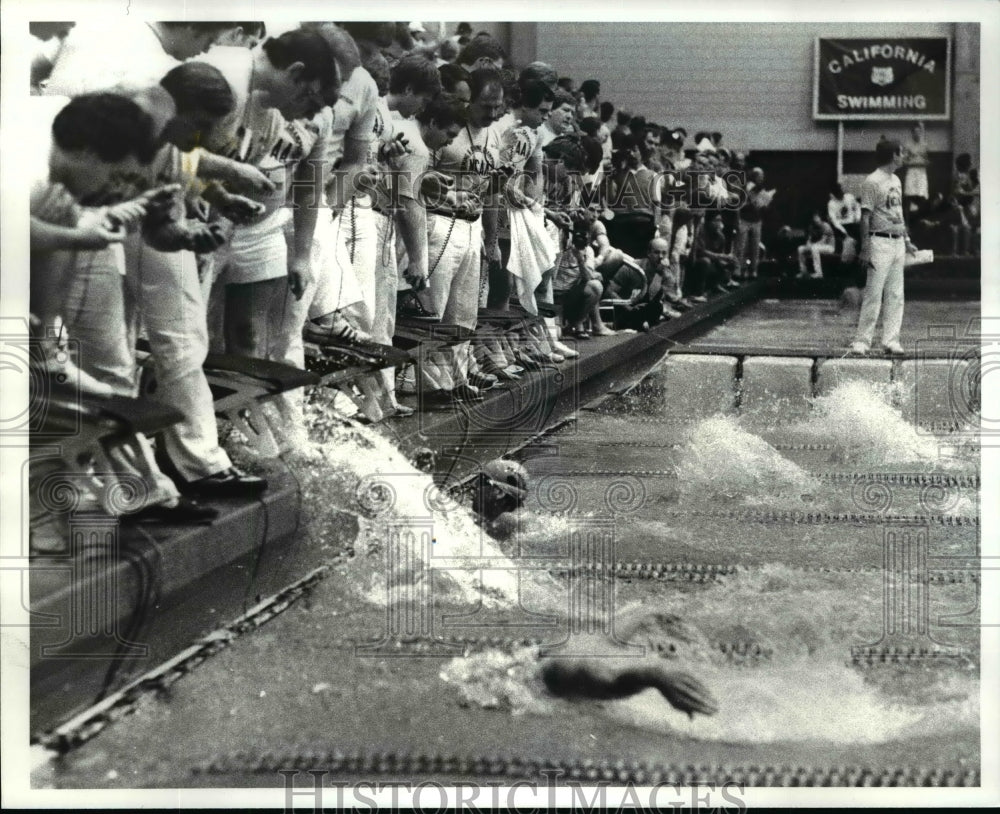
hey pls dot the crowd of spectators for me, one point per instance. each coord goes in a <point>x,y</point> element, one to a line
<point>225,187</point>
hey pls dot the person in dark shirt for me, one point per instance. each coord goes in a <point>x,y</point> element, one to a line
<point>712,262</point>
<point>633,194</point>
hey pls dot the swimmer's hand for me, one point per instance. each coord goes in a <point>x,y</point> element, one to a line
<point>589,678</point>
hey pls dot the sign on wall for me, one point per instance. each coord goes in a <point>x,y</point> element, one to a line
<point>882,78</point>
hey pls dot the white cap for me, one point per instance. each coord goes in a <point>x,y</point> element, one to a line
<point>418,27</point>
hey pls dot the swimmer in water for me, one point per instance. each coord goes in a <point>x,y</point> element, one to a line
<point>604,677</point>
<point>499,498</point>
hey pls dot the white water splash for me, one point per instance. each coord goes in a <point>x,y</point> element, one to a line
<point>858,417</point>
<point>720,459</point>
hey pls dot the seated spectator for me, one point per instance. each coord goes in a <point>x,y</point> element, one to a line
<point>713,263</point>
<point>607,259</point>
<point>843,213</point>
<point>645,290</point>
<point>950,213</point>
<point>820,242</point>
<point>966,192</point>
<point>578,286</point>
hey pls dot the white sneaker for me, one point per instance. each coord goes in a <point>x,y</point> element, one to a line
<point>858,348</point>
<point>564,350</point>
<point>893,348</point>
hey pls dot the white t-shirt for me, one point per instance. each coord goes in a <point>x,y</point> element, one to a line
<point>261,136</point>
<point>882,195</point>
<point>100,55</point>
<point>405,169</point>
<point>470,156</point>
<point>353,115</point>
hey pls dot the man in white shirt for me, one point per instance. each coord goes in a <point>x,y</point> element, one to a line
<point>560,120</point>
<point>459,230</point>
<point>93,139</point>
<point>884,244</point>
<point>101,54</point>
<point>398,206</point>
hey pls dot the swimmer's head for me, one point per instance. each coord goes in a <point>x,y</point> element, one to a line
<point>502,487</point>
<point>423,458</point>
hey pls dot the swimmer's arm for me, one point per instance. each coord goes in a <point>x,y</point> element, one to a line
<point>588,678</point>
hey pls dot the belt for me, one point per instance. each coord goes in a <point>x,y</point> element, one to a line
<point>887,234</point>
<point>444,213</point>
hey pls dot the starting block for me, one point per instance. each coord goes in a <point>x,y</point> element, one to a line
<point>85,427</point>
<point>240,386</point>
<point>338,364</point>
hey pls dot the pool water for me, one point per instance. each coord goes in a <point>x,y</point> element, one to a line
<point>833,615</point>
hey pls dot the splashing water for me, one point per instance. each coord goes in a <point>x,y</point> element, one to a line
<point>809,619</point>
<point>859,419</point>
<point>353,478</point>
<point>720,459</point>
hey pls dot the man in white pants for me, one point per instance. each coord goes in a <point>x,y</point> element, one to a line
<point>884,244</point>
<point>456,230</point>
<point>398,206</point>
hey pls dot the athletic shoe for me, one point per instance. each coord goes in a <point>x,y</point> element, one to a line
<point>564,351</point>
<point>401,411</point>
<point>893,349</point>
<point>698,298</point>
<point>671,313</point>
<point>467,393</point>
<point>604,331</point>
<point>484,381</point>
<point>338,332</point>
<point>733,284</point>
<point>858,348</point>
